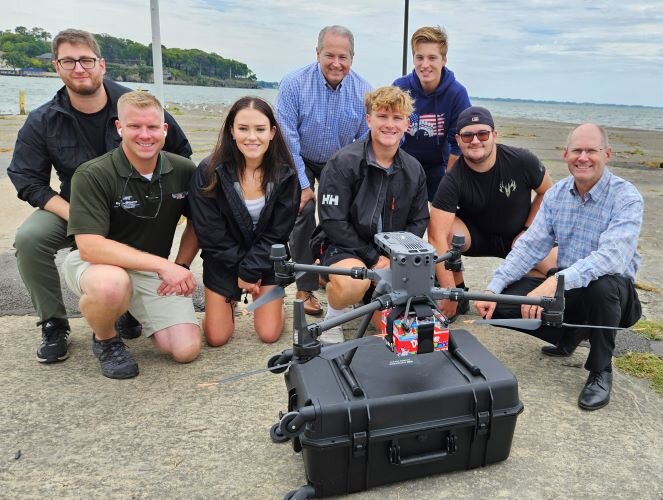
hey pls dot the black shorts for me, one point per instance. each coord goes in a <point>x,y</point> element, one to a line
<point>487,245</point>
<point>223,280</point>
<point>333,254</point>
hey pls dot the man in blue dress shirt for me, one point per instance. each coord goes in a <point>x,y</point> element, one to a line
<point>594,217</point>
<point>320,108</point>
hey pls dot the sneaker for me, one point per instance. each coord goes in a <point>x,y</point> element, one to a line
<point>128,327</point>
<point>332,336</point>
<point>54,345</point>
<point>116,362</point>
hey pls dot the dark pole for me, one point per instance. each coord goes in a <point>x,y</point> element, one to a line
<point>405,19</point>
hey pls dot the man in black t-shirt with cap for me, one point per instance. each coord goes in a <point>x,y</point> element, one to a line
<point>486,197</point>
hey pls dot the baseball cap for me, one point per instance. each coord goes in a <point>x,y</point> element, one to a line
<point>474,115</point>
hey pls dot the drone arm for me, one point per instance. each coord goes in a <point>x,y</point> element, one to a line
<point>457,294</point>
<point>359,273</point>
<point>348,316</point>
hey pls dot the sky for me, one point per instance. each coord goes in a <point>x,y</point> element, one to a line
<point>601,51</point>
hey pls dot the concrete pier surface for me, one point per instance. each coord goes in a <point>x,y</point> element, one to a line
<point>66,431</point>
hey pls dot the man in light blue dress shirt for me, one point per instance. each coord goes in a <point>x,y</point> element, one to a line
<point>320,109</point>
<point>594,217</point>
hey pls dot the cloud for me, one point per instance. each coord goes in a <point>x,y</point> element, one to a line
<point>513,48</point>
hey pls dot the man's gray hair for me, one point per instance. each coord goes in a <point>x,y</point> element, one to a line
<point>337,30</point>
<point>603,132</point>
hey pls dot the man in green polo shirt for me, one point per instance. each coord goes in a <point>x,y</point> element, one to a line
<point>125,206</point>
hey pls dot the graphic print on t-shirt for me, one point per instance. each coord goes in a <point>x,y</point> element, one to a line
<point>508,188</point>
<point>429,124</point>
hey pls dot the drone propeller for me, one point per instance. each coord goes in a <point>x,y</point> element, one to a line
<point>278,292</point>
<point>238,376</point>
<point>524,324</point>
<point>335,350</point>
<point>327,352</point>
<point>531,324</point>
<point>275,293</point>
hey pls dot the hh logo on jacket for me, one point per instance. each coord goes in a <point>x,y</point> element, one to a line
<point>330,199</point>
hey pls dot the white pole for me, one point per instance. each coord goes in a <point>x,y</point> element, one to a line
<point>157,64</point>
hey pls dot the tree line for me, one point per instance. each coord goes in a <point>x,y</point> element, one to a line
<point>127,60</point>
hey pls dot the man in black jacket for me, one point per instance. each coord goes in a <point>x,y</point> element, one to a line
<point>368,187</point>
<point>77,125</point>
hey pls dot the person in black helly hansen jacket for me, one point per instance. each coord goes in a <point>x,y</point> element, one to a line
<point>244,198</point>
<point>368,187</point>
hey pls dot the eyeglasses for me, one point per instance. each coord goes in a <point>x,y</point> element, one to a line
<point>468,137</point>
<point>148,198</point>
<point>85,62</point>
<point>576,153</point>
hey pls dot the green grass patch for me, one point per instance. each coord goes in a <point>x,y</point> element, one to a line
<point>653,330</point>
<point>635,151</point>
<point>643,365</point>
<point>646,287</point>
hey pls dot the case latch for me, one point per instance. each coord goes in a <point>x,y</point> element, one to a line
<point>483,422</point>
<point>359,443</point>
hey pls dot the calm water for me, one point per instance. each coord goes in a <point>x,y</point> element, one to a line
<point>40,90</point>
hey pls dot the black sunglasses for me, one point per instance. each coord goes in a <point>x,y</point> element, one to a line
<point>468,137</point>
<point>148,196</point>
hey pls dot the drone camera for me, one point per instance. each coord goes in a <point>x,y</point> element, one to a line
<point>412,261</point>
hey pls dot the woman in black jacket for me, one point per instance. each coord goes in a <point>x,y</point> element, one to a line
<point>244,198</point>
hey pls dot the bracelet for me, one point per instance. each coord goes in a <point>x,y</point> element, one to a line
<point>185,266</point>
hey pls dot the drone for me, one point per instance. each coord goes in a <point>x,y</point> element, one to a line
<point>406,294</point>
<point>412,325</point>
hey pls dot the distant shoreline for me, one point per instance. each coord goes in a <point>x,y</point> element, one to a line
<point>47,74</point>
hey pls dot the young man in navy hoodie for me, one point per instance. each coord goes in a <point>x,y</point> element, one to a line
<point>438,100</point>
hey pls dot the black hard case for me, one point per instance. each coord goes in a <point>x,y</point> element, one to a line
<point>419,416</point>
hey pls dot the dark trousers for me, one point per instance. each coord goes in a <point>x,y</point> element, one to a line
<point>303,229</point>
<point>608,301</point>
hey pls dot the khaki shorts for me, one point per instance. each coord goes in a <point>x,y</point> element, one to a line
<point>155,312</point>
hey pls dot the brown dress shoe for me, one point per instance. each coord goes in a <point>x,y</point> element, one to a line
<point>311,303</point>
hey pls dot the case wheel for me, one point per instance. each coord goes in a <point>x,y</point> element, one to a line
<point>287,425</point>
<point>301,493</point>
<point>278,359</point>
<point>276,434</point>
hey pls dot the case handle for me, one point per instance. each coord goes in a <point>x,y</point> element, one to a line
<point>395,457</point>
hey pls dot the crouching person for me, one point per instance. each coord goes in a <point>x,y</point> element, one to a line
<point>125,206</point>
<point>368,187</point>
<point>244,199</point>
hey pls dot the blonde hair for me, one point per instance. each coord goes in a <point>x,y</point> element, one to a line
<point>391,98</point>
<point>140,99</point>
<point>431,34</point>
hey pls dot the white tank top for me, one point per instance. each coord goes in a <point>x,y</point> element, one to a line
<point>255,207</point>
